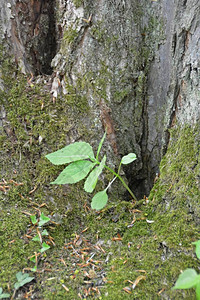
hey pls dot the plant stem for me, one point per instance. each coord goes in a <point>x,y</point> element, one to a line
<point>118,176</point>
<point>110,183</point>
<point>122,181</point>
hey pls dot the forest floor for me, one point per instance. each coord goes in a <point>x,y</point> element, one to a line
<point>126,251</point>
<point>123,252</point>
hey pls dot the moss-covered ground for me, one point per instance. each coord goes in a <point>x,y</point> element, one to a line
<point>126,251</point>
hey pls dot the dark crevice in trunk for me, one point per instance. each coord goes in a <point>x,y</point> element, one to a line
<point>141,181</point>
<point>50,45</point>
<point>34,35</point>
<point>44,43</point>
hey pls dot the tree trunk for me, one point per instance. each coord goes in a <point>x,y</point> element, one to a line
<point>71,70</point>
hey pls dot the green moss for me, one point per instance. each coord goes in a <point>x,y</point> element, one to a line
<point>78,3</point>
<point>90,83</point>
<point>98,32</point>
<point>183,170</point>
<point>161,249</point>
<point>14,250</point>
<point>32,121</point>
<point>76,95</point>
<point>69,36</point>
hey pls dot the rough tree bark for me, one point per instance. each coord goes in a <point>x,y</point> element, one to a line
<point>144,73</point>
<point>129,66</point>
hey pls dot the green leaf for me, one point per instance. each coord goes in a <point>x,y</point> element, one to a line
<point>198,291</point>
<point>3,296</point>
<point>22,279</point>
<point>36,238</point>
<point>43,219</point>
<point>127,159</point>
<point>197,243</point>
<point>45,247</point>
<point>100,145</point>
<point>73,152</point>
<point>20,275</point>
<point>99,200</point>
<point>75,172</point>
<point>45,232</point>
<point>34,269</point>
<point>33,219</point>
<point>91,181</point>
<point>33,259</point>
<point>186,280</point>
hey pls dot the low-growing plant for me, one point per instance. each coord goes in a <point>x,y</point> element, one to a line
<point>22,279</point>
<point>189,278</point>
<point>3,295</point>
<point>41,221</point>
<point>82,161</point>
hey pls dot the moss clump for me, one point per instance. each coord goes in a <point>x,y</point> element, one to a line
<point>69,36</point>
<point>132,245</point>
<point>76,95</point>
<point>163,248</point>
<point>33,127</point>
<point>78,3</point>
<point>182,163</point>
<point>13,251</point>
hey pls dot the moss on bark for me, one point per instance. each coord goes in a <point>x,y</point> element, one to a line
<point>157,251</point>
<point>132,244</point>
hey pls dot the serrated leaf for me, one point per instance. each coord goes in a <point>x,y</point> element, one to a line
<point>197,251</point>
<point>99,200</point>
<point>44,247</point>
<point>100,145</point>
<point>127,159</point>
<point>22,280</point>
<point>91,181</point>
<point>75,172</point>
<point>43,219</point>
<point>73,152</point>
<point>33,219</point>
<point>186,280</point>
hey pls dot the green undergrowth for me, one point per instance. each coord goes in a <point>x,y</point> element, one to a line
<point>151,239</point>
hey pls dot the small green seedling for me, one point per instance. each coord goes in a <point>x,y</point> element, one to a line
<point>43,220</point>
<point>33,219</point>
<point>189,278</point>
<point>3,295</point>
<point>34,269</point>
<point>36,238</point>
<point>39,236</point>
<point>22,279</point>
<point>44,248</point>
<point>197,250</point>
<point>82,161</point>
